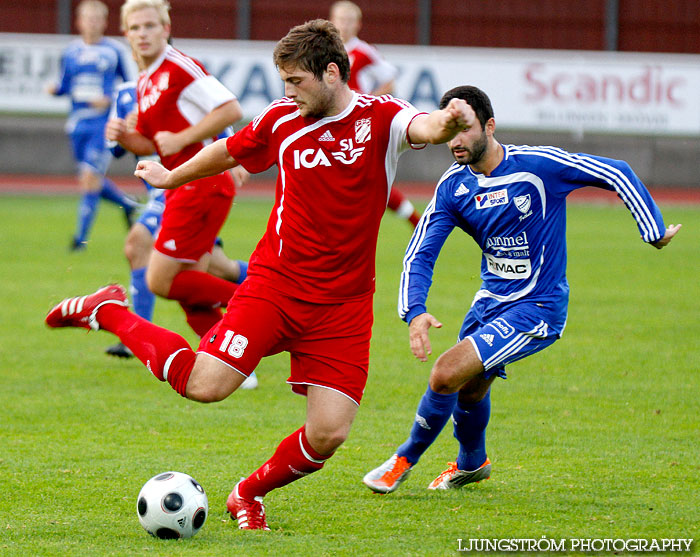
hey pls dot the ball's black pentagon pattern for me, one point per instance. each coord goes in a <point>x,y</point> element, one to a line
<point>142,506</point>
<point>173,502</point>
<point>199,517</point>
<point>164,476</point>
<point>167,534</point>
<point>197,486</point>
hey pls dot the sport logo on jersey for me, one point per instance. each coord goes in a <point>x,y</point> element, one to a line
<point>363,130</point>
<point>488,339</point>
<point>491,199</point>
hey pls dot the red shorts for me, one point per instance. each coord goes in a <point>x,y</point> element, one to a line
<point>193,216</point>
<point>328,343</point>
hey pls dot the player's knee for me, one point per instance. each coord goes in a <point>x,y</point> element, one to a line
<point>130,250</point>
<point>156,284</point>
<point>326,440</point>
<point>444,378</point>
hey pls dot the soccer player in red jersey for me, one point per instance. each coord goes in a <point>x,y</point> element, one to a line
<point>181,108</point>
<point>311,277</point>
<point>369,73</point>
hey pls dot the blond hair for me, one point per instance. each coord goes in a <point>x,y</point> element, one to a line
<point>96,5</point>
<point>349,6</point>
<point>161,6</point>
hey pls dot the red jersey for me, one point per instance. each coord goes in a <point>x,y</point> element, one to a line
<point>334,179</point>
<point>368,69</point>
<point>174,93</point>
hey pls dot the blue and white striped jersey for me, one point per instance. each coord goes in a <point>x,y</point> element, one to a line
<point>517,216</point>
<point>88,73</point>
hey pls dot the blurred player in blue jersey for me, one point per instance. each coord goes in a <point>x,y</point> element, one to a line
<point>90,66</point>
<point>512,201</point>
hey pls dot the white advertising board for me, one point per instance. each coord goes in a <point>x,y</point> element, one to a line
<point>620,93</point>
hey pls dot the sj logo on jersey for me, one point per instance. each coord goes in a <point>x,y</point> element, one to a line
<point>491,199</point>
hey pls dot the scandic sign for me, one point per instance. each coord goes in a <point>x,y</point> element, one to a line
<point>649,87</point>
<point>629,93</point>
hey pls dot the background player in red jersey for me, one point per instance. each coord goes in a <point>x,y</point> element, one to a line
<point>369,73</point>
<point>311,278</point>
<point>181,108</point>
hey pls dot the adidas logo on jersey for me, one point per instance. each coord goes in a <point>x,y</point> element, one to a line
<point>327,136</point>
<point>461,190</point>
<point>488,339</point>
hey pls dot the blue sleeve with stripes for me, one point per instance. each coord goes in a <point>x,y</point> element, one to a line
<point>580,170</point>
<point>618,176</point>
<point>435,226</point>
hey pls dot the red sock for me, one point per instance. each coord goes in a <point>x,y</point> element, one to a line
<point>293,459</point>
<point>201,318</point>
<point>196,288</point>
<point>201,295</point>
<point>164,353</point>
<point>396,198</point>
<point>403,207</point>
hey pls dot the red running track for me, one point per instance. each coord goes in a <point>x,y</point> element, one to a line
<point>27,184</point>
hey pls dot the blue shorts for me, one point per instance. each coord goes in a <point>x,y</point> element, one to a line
<point>516,332</point>
<point>152,214</point>
<point>89,149</point>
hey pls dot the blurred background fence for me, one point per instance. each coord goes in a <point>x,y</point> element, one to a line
<point>619,78</point>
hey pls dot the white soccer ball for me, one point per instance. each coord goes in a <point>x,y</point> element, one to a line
<point>172,505</point>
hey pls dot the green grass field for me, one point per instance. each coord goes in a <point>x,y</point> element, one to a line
<point>596,437</point>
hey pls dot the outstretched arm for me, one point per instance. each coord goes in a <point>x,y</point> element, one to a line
<point>671,231</point>
<point>213,159</point>
<point>442,125</point>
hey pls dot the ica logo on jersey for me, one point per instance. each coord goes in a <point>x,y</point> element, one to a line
<point>310,158</point>
<point>349,149</point>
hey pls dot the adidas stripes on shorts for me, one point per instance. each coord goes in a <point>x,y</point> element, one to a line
<point>515,333</point>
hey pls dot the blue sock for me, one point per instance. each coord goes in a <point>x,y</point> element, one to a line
<point>470,423</point>
<point>433,412</point>
<point>86,215</point>
<point>112,193</point>
<point>244,271</point>
<point>142,298</point>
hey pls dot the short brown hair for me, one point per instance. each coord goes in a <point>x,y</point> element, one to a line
<point>311,47</point>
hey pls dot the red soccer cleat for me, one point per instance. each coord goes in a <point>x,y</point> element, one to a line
<point>249,514</point>
<point>81,311</point>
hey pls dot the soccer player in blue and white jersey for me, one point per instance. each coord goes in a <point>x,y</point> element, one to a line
<point>512,201</point>
<point>90,66</point>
